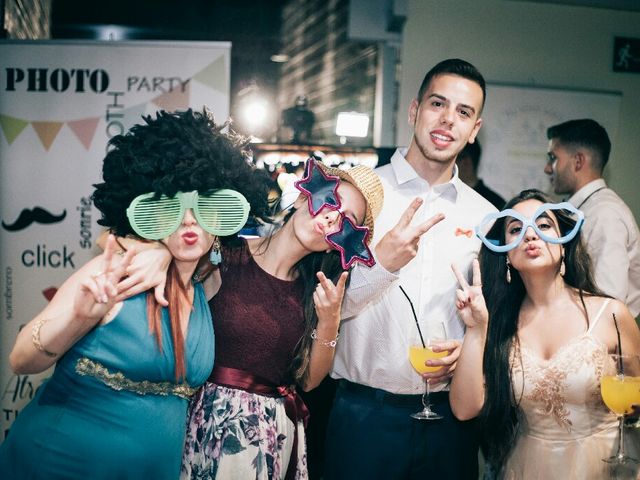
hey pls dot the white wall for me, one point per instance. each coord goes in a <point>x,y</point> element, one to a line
<point>535,44</point>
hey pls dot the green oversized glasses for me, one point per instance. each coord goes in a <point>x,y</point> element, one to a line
<point>224,212</point>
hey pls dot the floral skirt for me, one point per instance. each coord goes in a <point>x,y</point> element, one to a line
<point>234,434</point>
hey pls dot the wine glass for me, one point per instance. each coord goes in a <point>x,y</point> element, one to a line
<point>418,355</point>
<point>620,389</point>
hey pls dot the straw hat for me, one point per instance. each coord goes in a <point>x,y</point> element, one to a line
<point>368,183</point>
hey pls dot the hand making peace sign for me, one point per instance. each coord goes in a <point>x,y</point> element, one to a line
<point>98,291</point>
<point>469,298</point>
<point>400,244</point>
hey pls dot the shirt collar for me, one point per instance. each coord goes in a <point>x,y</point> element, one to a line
<point>402,170</point>
<point>405,173</point>
<point>581,195</point>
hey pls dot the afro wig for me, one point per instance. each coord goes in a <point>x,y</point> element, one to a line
<point>175,152</point>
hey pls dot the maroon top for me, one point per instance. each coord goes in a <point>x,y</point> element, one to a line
<point>258,318</point>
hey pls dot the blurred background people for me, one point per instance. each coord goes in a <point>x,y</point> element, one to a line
<point>298,120</point>
<point>468,161</point>
<point>578,152</point>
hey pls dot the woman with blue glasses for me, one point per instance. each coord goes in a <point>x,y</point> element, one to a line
<point>538,337</point>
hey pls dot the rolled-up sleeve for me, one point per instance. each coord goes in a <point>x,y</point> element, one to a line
<point>366,285</point>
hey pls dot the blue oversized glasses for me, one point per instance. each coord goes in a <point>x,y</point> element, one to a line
<point>540,222</point>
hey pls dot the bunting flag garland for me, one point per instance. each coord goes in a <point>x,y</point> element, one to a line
<point>47,132</point>
<point>213,76</point>
<point>177,99</point>
<point>84,129</point>
<point>12,127</point>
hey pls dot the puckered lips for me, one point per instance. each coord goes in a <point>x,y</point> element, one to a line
<point>532,250</point>
<point>190,238</point>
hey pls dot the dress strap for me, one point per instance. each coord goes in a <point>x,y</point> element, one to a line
<point>598,315</point>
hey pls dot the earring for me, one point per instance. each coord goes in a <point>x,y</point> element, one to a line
<point>508,270</point>
<point>215,257</point>
<point>563,268</point>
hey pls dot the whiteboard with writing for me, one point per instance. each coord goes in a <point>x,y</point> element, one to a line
<point>514,133</point>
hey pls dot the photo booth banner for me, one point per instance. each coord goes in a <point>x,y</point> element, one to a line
<point>60,103</point>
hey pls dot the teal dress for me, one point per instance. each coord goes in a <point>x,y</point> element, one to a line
<point>112,409</point>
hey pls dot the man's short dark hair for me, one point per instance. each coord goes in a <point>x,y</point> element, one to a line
<point>473,151</point>
<point>585,133</point>
<point>454,66</point>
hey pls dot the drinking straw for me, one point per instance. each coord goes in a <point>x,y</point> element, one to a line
<point>620,367</point>
<point>413,310</point>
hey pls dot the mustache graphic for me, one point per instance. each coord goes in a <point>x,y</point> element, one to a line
<point>37,215</point>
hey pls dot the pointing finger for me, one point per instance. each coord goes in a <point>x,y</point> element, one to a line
<point>426,226</point>
<point>327,284</point>
<point>461,280</point>
<point>107,256</point>
<point>407,216</point>
<point>342,281</point>
<point>477,278</point>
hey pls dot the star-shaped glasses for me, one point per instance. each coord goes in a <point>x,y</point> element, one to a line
<point>321,190</point>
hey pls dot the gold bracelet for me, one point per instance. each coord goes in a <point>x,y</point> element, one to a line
<point>324,343</point>
<point>35,338</point>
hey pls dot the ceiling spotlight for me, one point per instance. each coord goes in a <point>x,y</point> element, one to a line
<point>352,124</point>
<point>255,113</point>
<point>279,58</point>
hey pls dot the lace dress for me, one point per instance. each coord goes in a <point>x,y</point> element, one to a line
<point>566,430</point>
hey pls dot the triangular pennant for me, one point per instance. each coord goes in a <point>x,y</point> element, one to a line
<point>174,100</point>
<point>47,132</point>
<point>132,116</point>
<point>12,127</point>
<point>214,75</point>
<point>84,129</point>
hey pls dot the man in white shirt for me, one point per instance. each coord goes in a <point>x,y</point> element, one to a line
<point>370,433</point>
<point>578,153</point>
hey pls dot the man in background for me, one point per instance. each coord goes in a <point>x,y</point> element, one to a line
<point>299,119</point>
<point>578,153</point>
<point>468,161</point>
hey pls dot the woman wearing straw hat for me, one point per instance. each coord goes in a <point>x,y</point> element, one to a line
<point>548,332</point>
<point>277,318</point>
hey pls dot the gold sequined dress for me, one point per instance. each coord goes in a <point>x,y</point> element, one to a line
<point>565,430</point>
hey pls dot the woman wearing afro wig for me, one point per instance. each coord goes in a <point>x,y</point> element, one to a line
<point>116,403</point>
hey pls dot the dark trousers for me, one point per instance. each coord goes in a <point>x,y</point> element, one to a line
<point>371,436</point>
<point>319,402</point>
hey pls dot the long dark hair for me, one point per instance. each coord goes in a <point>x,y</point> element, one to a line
<point>500,414</point>
<point>305,271</point>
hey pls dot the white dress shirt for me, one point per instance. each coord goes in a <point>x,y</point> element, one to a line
<point>379,327</point>
<point>610,233</point>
